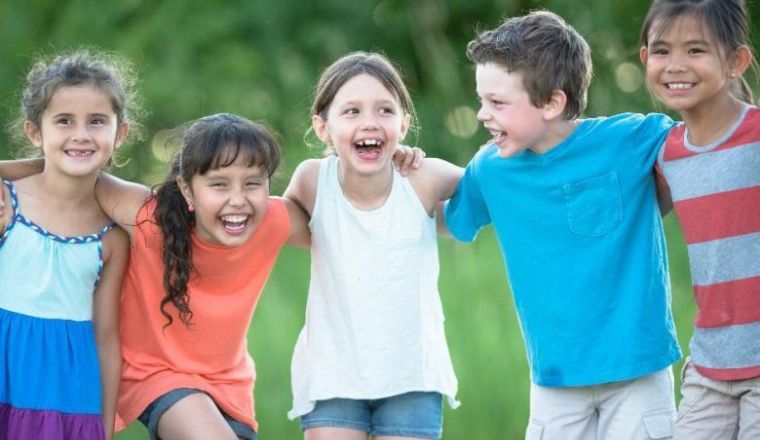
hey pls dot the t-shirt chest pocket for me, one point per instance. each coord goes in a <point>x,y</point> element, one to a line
<point>593,205</point>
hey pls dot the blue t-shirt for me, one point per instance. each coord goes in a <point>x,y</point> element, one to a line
<point>583,243</point>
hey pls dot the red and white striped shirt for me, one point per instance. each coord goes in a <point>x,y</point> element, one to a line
<point>716,196</point>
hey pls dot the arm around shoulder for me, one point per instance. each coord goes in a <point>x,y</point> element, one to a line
<point>300,234</point>
<point>435,181</point>
<point>121,199</point>
<point>302,188</point>
<point>300,196</point>
<point>18,169</point>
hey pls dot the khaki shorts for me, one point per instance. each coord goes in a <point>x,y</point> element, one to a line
<point>636,409</point>
<point>716,409</point>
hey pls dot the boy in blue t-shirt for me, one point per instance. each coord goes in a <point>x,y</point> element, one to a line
<point>574,206</point>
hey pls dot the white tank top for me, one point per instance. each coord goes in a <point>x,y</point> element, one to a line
<point>374,321</point>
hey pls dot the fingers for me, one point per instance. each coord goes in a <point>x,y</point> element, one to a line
<point>419,154</point>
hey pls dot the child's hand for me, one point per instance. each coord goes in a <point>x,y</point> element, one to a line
<point>407,158</point>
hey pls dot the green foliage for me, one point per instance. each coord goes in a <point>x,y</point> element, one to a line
<point>261,59</point>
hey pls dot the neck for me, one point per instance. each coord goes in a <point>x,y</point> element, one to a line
<point>707,123</point>
<point>366,191</point>
<point>67,190</point>
<point>556,132</point>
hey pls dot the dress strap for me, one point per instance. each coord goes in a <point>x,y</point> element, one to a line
<point>14,208</point>
<point>106,229</point>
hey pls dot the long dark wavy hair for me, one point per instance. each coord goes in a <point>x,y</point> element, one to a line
<point>210,143</point>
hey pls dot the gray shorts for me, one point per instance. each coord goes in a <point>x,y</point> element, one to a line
<point>158,407</point>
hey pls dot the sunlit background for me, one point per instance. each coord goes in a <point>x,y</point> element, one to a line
<point>261,59</point>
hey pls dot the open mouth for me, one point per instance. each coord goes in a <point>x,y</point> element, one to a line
<point>234,224</point>
<point>369,149</point>
<point>497,136</point>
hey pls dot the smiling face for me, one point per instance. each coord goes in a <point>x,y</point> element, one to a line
<point>507,112</point>
<point>364,124</point>
<point>684,65</point>
<point>229,202</point>
<point>78,131</point>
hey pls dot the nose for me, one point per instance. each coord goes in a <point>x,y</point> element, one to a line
<point>483,114</point>
<point>369,121</point>
<point>675,63</point>
<point>237,198</point>
<point>81,133</point>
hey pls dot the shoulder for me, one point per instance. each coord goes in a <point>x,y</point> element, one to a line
<point>645,131</point>
<point>303,184</point>
<point>297,221</point>
<point>307,171</point>
<point>654,122</point>
<point>752,119</point>
<point>278,212</point>
<point>436,176</point>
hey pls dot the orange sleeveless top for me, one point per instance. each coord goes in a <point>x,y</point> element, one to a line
<point>211,355</point>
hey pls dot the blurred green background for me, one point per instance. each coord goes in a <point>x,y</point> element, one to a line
<point>261,59</point>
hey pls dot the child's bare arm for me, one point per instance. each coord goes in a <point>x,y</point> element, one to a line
<point>664,199</point>
<point>435,181</point>
<point>5,214</point>
<point>300,234</point>
<point>18,169</point>
<point>121,200</point>
<point>106,322</point>
<point>300,195</point>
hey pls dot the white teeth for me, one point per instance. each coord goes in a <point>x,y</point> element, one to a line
<point>368,142</point>
<point>79,153</point>
<point>234,218</point>
<point>679,86</point>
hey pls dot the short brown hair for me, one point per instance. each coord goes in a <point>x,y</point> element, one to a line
<point>549,53</point>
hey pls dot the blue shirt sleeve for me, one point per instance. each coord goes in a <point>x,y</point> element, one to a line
<point>651,134</point>
<point>466,212</point>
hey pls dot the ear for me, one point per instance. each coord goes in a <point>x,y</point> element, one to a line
<point>320,128</point>
<point>121,134</point>
<point>556,105</point>
<point>185,189</point>
<point>741,61</point>
<point>405,122</point>
<point>33,133</point>
<point>643,55</point>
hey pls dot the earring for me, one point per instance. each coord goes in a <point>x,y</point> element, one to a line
<point>190,207</point>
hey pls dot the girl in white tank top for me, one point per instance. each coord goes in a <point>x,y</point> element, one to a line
<point>374,321</point>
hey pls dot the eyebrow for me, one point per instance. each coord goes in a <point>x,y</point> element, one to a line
<point>686,43</point>
<point>102,115</point>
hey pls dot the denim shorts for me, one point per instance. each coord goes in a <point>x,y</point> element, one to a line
<point>415,414</point>
<point>158,407</point>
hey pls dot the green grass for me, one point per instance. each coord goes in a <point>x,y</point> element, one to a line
<point>481,326</point>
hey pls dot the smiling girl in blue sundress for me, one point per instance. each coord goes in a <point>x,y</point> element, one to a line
<point>61,260</point>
